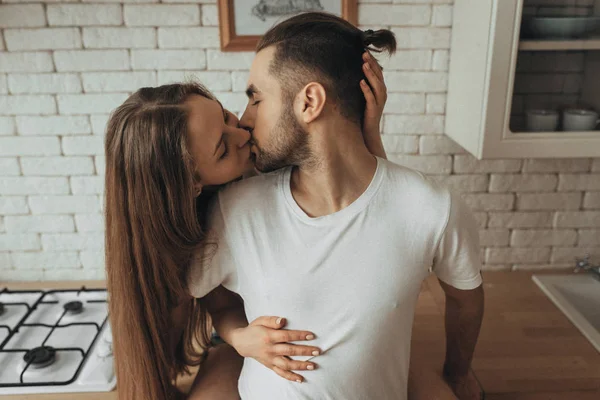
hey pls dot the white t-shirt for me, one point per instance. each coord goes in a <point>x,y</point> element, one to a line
<point>352,277</point>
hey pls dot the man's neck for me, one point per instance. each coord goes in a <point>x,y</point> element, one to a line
<point>340,171</point>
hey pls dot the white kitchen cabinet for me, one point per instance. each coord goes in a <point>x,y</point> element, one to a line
<point>495,76</point>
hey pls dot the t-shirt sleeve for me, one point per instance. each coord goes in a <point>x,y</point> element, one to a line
<point>457,259</point>
<point>213,265</point>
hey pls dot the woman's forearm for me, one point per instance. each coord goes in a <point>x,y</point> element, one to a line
<point>227,312</point>
<point>375,144</point>
<point>227,322</point>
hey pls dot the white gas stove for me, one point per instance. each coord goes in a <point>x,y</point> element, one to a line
<point>55,341</point>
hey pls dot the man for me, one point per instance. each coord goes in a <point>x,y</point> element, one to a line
<point>333,238</point>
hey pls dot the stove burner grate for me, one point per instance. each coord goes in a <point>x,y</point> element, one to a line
<point>43,356</point>
<point>2,309</point>
<point>40,357</point>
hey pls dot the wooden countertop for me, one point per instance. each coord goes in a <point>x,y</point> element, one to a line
<point>527,350</point>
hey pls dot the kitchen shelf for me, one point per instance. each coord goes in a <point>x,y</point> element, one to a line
<point>550,144</point>
<point>486,43</point>
<point>557,135</point>
<point>557,45</point>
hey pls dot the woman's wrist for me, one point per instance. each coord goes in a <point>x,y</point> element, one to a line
<point>374,144</point>
<point>234,338</point>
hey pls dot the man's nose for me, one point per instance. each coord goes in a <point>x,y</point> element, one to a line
<point>247,121</point>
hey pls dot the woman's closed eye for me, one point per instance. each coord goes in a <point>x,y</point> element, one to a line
<point>226,152</point>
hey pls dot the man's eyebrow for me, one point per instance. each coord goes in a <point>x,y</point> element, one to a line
<point>251,91</point>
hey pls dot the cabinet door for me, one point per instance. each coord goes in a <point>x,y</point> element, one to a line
<point>522,78</point>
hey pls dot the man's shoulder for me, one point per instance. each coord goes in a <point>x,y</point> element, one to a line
<point>415,184</point>
<point>250,192</point>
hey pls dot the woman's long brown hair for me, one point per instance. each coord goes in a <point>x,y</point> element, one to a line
<point>152,231</point>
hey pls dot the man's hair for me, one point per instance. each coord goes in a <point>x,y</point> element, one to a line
<point>321,47</point>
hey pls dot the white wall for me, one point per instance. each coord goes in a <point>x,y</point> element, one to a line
<point>65,65</point>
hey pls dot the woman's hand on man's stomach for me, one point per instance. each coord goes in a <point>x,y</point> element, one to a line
<point>265,341</point>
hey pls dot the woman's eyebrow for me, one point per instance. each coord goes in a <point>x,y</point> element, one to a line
<point>221,138</point>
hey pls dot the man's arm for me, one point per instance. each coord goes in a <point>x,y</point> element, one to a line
<point>464,313</point>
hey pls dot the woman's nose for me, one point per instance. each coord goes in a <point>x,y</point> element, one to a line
<point>242,137</point>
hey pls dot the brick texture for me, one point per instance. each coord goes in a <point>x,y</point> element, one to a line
<point>65,65</point>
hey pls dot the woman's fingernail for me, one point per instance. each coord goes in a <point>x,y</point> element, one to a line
<point>315,353</point>
<point>310,367</point>
<point>310,337</point>
<point>278,322</point>
<point>298,380</point>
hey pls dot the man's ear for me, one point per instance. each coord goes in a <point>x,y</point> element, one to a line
<point>311,102</point>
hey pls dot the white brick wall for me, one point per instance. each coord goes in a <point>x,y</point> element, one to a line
<point>26,62</point>
<point>119,38</point>
<point>22,16</point>
<point>44,83</point>
<point>25,185</point>
<point>188,38</point>
<point>117,81</point>
<point>87,184</point>
<point>84,14</point>
<point>162,15</point>
<point>408,15</point>
<point>89,103</point>
<point>40,223</point>
<point>42,39</point>
<point>3,84</point>
<point>64,204</point>
<point>53,125</point>
<point>27,105</point>
<point>65,65</point>
<point>57,166</point>
<point>24,146</point>
<point>91,60</point>
<point>7,126</point>
<point>168,59</point>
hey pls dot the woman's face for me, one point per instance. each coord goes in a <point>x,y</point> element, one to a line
<point>220,149</point>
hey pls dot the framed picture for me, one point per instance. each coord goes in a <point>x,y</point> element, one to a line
<point>243,22</point>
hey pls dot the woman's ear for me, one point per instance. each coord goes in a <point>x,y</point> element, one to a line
<point>312,101</point>
<point>197,188</point>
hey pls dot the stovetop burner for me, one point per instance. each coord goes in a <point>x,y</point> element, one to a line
<point>54,339</point>
<point>1,308</point>
<point>73,307</point>
<point>40,357</point>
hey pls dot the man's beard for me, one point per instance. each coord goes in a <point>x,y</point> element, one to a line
<point>289,144</point>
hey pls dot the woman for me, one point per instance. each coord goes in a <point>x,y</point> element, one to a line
<point>159,181</point>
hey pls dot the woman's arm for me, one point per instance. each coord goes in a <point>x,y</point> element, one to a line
<point>375,94</point>
<point>263,339</point>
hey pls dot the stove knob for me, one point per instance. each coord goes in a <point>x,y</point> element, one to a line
<point>107,335</point>
<point>104,350</point>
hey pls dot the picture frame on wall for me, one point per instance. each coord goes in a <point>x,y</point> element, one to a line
<point>243,22</point>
